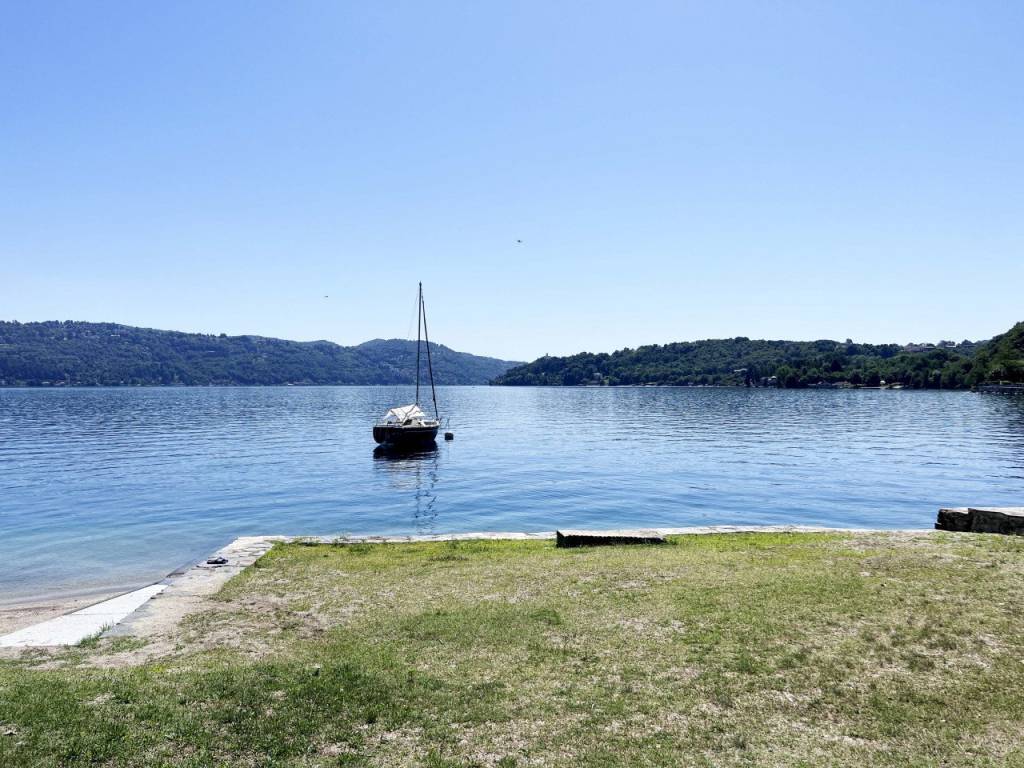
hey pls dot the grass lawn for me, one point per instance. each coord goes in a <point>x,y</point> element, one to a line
<point>722,650</point>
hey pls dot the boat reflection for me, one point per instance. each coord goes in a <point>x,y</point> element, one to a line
<point>389,453</point>
<point>1013,407</point>
<point>415,472</point>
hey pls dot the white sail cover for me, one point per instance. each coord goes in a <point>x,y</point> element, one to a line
<point>403,412</point>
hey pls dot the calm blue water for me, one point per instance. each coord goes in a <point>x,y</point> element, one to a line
<point>117,487</point>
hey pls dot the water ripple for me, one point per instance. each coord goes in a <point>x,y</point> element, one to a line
<point>119,486</point>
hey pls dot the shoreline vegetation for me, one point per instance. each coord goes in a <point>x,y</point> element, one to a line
<point>79,354</point>
<point>847,649</point>
<point>787,364</point>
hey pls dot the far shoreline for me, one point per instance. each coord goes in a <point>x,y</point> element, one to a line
<point>488,385</point>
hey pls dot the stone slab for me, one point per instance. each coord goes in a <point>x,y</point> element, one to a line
<point>954,519</point>
<point>582,538</point>
<point>1005,520</point>
<point>76,627</point>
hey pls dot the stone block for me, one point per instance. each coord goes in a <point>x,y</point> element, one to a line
<point>1006,520</point>
<point>578,538</point>
<point>954,519</point>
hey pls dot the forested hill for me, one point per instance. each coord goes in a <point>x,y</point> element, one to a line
<point>91,354</point>
<point>791,363</point>
<point>1002,359</point>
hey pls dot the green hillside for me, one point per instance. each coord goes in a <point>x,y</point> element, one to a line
<point>1003,357</point>
<point>107,354</point>
<point>785,363</point>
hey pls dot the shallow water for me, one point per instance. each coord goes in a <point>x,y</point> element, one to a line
<point>108,488</point>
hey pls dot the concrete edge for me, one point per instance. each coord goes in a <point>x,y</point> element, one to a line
<point>73,628</point>
<point>550,535</point>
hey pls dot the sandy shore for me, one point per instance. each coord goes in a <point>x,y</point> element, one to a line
<point>15,614</point>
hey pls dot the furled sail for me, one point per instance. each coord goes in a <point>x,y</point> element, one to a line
<point>403,413</point>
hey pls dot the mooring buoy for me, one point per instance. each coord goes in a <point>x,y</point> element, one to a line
<point>449,435</point>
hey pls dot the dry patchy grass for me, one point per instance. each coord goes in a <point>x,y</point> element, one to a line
<point>727,650</point>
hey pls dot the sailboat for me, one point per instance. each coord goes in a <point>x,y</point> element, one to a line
<point>407,426</point>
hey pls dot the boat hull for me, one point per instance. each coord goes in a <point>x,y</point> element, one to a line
<point>398,436</point>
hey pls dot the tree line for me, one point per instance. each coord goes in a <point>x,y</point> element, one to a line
<point>71,353</point>
<point>790,364</point>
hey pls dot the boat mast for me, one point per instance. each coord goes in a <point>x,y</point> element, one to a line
<point>430,366</point>
<point>419,313</point>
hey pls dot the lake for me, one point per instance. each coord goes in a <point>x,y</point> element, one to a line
<point>104,488</point>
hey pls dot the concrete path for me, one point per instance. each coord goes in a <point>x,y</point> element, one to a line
<point>187,592</point>
<point>76,627</point>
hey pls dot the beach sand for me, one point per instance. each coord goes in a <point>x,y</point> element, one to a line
<point>24,612</point>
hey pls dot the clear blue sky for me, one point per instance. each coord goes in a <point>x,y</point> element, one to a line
<point>675,170</point>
